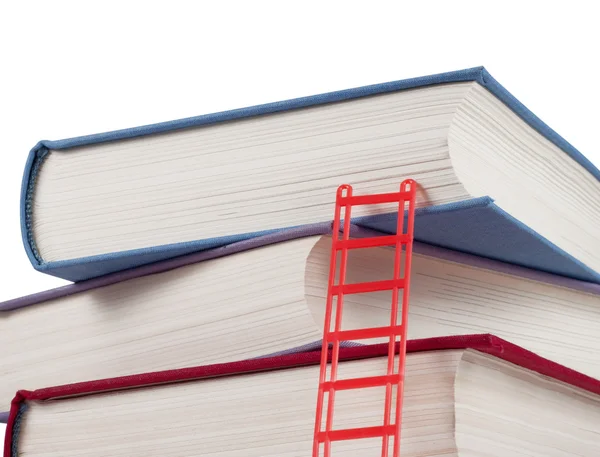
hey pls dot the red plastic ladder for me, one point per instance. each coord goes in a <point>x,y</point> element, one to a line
<point>403,238</point>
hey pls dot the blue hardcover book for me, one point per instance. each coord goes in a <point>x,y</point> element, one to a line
<point>494,180</point>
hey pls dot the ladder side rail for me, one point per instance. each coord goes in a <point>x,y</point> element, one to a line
<point>410,186</point>
<point>327,323</point>
<point>343,191</point>
<point>393,322</point>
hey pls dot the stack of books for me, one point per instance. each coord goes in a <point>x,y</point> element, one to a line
<point>199,252</point>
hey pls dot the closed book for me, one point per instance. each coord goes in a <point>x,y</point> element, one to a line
<point>494,180</point>
<point>474,394</point>
<point>267,296</point>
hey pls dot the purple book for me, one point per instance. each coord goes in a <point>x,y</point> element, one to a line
<point>317,229</point>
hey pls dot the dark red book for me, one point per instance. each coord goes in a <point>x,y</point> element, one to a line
<point>266,405</point>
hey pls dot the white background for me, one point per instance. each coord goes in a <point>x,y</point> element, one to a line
<point>72,69</point>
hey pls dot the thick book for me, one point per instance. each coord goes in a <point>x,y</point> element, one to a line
<point>270,299</point>
<point>495,181</point>
<point>471,395</point>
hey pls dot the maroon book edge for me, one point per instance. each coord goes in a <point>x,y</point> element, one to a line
<point>485,343</point>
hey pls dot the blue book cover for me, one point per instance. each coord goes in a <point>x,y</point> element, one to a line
<point>475,226</point>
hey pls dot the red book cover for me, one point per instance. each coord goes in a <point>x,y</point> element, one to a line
<point>485,343</point>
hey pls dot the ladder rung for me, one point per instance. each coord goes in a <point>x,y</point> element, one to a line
<point>364,333</point>
<point>363,287</point>
<point>392,197</point>
<point>360,383</point>
<point>356,433</point>
<point>373,242</point>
